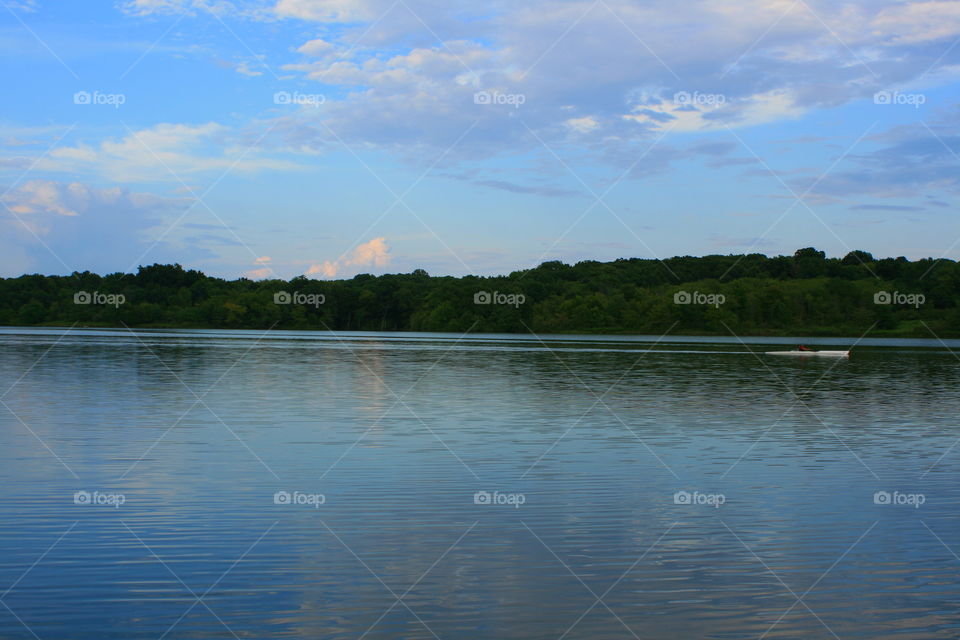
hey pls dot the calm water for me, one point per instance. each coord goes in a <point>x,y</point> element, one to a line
<point>140,478</point>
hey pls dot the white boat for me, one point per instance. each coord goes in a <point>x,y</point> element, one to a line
<point>829,354</point>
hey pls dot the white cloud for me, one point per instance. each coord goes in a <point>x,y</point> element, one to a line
<point>917,22</point>
<point>374,253</point>
<point>259,274</point>
<point>317,47</point>
<point>152,154</point>
<point>147,7</point>
<point>585,124</point>
<point>244,69</point>
<point>22,5</point>
<point>685,117</point>
<point>45,196</point>
<point>327,269</point>
<point>189,7</point>
<point>326,10</point>
<point>580,65</point>
<point>81,226</point>
<point>263,271</point>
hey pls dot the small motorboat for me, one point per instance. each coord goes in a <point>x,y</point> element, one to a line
<point>797,352</point>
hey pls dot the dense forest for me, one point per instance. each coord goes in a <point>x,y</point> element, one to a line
<point>803,294</point>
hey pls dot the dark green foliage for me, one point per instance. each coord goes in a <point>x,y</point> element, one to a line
<point>803,294</point>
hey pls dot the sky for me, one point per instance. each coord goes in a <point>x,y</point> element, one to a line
<point>327,138</point>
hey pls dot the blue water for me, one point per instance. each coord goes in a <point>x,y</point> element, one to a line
<point>236,484</point>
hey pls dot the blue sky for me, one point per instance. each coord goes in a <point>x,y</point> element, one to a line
<point>272,138</point>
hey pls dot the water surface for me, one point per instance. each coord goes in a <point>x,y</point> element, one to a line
<point>145,480</point>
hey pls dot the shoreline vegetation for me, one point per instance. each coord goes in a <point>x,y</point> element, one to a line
<point>806,294</point>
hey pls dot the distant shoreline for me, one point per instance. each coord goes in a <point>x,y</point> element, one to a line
<point>812,334</point>
<point>806,294</point>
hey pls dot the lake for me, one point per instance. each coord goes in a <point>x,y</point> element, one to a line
<point>241,484</point>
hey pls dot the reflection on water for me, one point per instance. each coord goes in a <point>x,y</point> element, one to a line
<point>299,485</point>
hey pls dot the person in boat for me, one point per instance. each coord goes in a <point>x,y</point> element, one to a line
<point>804,348</point>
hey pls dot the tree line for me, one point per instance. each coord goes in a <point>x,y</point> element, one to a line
<point>803,294</point>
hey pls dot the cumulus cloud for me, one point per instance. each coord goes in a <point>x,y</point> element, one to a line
<point>608,72</point>
<point>586,124</point>
<point>163,152</point>
<point>405,76</point>
<point>262,271</point>
<point>44,196</point>
<point>327,269</point>
<point>59,227</point>
<point>316,47</point>
<point>374,253</point>
<point>244,69</point>
<point>39,199</point>
<point>326,10</point>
